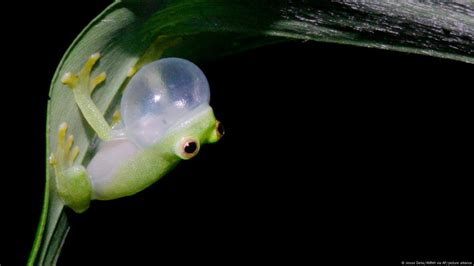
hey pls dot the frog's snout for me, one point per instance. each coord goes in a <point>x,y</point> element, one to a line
<point>220,131</point>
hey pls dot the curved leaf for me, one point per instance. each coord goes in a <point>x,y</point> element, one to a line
<point>130,33</point>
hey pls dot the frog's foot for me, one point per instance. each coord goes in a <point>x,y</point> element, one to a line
<point>83,80</point>
<point>65,155</point>
<point>72,182</point>
<point>82,85</point>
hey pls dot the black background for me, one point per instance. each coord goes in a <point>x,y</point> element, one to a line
<point>332,153</point>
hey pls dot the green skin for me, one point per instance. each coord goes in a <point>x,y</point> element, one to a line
<point>150,164</point>
<point>73,184</point>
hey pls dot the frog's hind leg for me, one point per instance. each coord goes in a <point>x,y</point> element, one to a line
<point>82,85</point>
<point>72,181</point>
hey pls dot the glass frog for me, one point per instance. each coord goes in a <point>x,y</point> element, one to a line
<point>166,118</point>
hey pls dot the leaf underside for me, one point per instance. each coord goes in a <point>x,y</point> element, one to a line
<point>206,29</point>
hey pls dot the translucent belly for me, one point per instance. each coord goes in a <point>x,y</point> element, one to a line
<point>103,167</point>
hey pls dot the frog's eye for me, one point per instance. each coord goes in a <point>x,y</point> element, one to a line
<point>220,129</point>
<point>188,148</point>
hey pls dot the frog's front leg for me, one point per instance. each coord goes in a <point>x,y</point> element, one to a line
<point>82,85</point>
<point>72,182</point>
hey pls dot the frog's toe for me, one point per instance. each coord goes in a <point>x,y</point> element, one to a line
<point>62,132</point>
<point>73,155</point>
<point>116,118</point>
<point>96,81</point>
<point>69,79</point>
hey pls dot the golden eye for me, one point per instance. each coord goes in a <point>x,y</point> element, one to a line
<point>188,149</point>
<point>220,129</point>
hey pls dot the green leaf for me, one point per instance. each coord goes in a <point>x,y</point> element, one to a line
<point>130,33</point>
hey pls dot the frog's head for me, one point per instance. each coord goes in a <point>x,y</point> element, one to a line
<point>167,101</point>
<point>198,128</point>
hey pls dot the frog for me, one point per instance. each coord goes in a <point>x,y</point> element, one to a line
<point>165,117</point>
